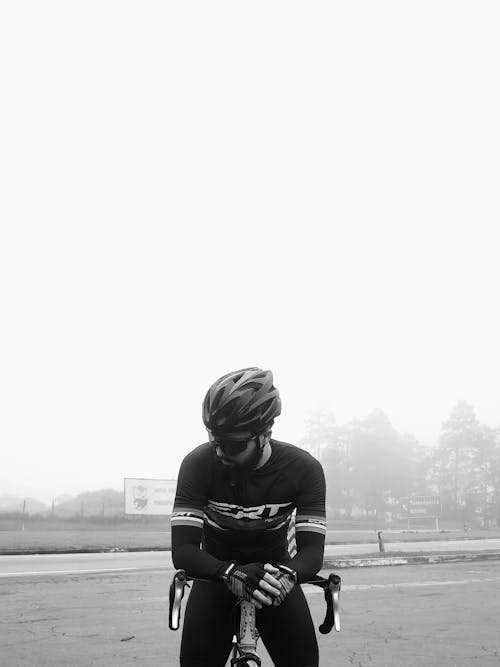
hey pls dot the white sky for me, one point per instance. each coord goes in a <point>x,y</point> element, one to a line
<point>190,188</point>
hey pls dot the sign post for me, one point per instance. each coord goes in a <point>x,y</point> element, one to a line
<point>421,507</point>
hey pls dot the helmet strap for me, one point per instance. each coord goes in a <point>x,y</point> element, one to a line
<point>263,439</point>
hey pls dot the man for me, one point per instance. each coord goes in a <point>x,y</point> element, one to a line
<point>235,498</point>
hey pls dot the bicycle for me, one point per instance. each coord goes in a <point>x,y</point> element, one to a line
<point>244,643</point>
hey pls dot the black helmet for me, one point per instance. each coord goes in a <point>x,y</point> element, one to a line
<point>241,404</point>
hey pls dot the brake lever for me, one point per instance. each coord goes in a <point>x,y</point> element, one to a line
<point>175,595</point>
<point>331,588</point>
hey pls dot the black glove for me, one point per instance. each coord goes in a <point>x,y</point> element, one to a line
<point>244,580</point>
<point>287,579</point>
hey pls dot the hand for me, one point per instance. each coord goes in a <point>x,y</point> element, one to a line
<point>253,582</point>
<point>287,579</point>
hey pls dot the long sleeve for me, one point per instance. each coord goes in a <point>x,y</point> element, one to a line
<point>310,522</point>
<point>187,523</point>
<point>187,555</point>
<point>308,560</point>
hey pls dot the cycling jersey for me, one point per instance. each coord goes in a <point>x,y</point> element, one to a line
<point>245,516</point>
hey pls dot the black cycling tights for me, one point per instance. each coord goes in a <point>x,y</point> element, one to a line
<point>287,631</point>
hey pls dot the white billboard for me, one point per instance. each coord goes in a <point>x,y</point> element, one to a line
<point>149,496</point>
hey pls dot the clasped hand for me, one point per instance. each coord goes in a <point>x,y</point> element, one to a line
<point>269,587</point>
<point>264,585</point>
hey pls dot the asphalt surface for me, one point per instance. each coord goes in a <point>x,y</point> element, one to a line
<point>110,609</point>
<point>442,615</point>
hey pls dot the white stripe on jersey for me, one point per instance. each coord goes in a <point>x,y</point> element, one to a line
<point>184,520</point>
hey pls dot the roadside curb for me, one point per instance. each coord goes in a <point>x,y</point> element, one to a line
<point>329,562</point>
<point>339,563</point>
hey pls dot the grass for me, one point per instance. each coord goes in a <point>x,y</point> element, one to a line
<point>78,540</point>
<point>78,536</point>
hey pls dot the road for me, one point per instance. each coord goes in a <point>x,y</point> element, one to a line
<point>66,564</point>
<point>434,615</point>
<point>63,564</point>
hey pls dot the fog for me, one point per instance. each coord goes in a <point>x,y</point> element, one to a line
<point>198,187</point>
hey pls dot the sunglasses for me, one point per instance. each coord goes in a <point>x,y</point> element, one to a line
<point>231,447</point>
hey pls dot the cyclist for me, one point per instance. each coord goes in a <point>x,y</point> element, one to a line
<point>235,498</point>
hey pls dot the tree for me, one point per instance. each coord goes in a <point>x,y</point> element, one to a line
<point>495,478</point>
<point>383,462</point>
<point>368,464</point>
<point>483,482</point>
<point>321,432</point>
<point>456,456</point>
<point>337,463</point>
<point>324,439</point>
